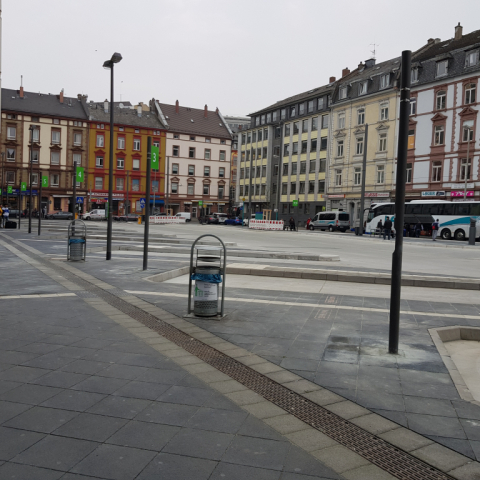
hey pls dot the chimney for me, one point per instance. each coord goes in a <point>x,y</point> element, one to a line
<point>216,110</point>
<point>177,110</point>
<point>205,112</point>
<point>61,96</point>
<point>345,72</point>
<point>21,92</point>
<point>139,110</point>
<point>369,63</point>
<point>458,31</point>
<point>360,65</point>
<point>332,79</point>
<point>105,106</point>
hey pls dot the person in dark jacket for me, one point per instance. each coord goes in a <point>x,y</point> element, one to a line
<point>380,227</point>
<point>418,229</point>
<point>292,224</point>
<point>387,228</point>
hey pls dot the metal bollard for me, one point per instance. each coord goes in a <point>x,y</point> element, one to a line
<point>472,232</point>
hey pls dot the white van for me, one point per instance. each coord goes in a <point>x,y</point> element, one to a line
<point>186,215</point>
<point>331,221</point>
<point>98,214</point>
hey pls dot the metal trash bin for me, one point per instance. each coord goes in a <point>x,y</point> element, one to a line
<point>205,297</point>
<point>77,241</point>
<point>77,249</point>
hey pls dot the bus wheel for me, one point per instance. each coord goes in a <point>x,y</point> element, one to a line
<point>459,235</point>
<point>330,228</point>
<point>311,227</point>
<point>446,234</point>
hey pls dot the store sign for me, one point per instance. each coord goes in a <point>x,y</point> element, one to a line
<point>336,196</point>
<point>433,194</point>
<point>377,194</point>
<point>116,196</point>
<point>461,193</point>
<point>294,203</point>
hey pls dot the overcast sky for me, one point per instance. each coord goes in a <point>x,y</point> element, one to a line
<point>239,56</point>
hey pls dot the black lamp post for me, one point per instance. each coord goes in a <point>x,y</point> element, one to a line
<point>31,174</point>
<point>116,58</point>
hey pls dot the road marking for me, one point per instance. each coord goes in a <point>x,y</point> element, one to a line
<point>40,295</point>
<point>316,305</point>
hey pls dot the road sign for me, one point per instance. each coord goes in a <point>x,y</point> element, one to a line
<point>9,189</point>
<point>142,202</point>
<point>80,174</point>
<point>79,199</point>
<point>44,181</point>
<point>23,186</point>
<point>155,158</point>
<point>243,199</point>
<point>295,203</point>
<point>200,203</point>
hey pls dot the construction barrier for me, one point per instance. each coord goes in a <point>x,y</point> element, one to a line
<point>266,224</point>
<point>165,219</point>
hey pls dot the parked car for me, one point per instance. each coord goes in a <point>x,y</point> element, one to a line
<point>186,215</point>
<point>131,217</point>
<point>331,221</point>
<point>98,214</point>
<point>217,218</point>
<point>245,220</point>
<point>233,221</point>
<point>60,216</point>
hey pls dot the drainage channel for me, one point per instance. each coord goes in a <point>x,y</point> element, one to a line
<point>398,463</point>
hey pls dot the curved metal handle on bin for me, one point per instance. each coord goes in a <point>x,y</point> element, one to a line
<point>222,271</point>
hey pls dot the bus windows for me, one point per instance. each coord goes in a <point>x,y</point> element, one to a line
<point>462,208</point>
<point>433,209</point>
<point>413,208</point>
<point>448,208</point>
<point>384,210</point>
<point>475,209</point>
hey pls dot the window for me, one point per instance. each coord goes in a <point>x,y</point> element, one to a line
<point>471,58</point>
<point>254,137</point>
<point>259,153</point>
<point>174,187</point>
<point>120,143</point>
<point>296,127</point>
<point>360,116</point>
<point>338,178</point>
<point>249,138</point>
<point>155,186</point>
<point>136,144</point>
<point>77,137</point>
<point>467,133</point>
<point>413,106</point>
<point>436,171</point>
<point>414,75</point>
<point>305,126</point>
<point>323,164</point>
<point>470,91</point>
<point>382,142</point>
<point>264,154</point>
<point>55,158</point>
<point>411,139</point>
<point>323,143</point>
<point>359,146</point>
<point>207,154</point>
<point>136,164</point>
<point>293,188</point>
<point>292,111</point>
<point>259,135</point>
<point>325,121</point>
<point>244,139</point>
<point>246,190</point>
<point>264,171</point>
<point>36,136</point>
<point>119,184</point>
<point>206,171</point>
<point>439,135</point>
<point>284,188</point>
<point>311,186</point>
<point>304,146</point>
<point>301,188</point>
<point>465,168</point>
<point>320,103</point>
<point>339,148</point>
<point>342,94</point>
<point>409,173</point>
<point>120,129</point>
<point>283,113</point>
<point>274,188</point>
<point>120,163</point>
<point>286,150</point>
<point>310,106</point>
<point>314,124</point>
<point>442,68</point>
<point>206,189</point>
<point>313,165</point>
<point>176,135</point>
<point>191,170</point>
<point>313,145</point>
<point>221,191</point>
<point>301,109</point>
<point>357,176</point>
<point>341,120</point>
<point>191,152</point>
<point>269,117</point>
<point>294,148</point>
<point>265,133</point>
<point>10,177</point>
<point>77,158</point>
<point>34,155</point>
<point>384,112</point>
<point>135,184</point>
<point>100,141</point>
<point>274,116</point>
<point>10,154</point>
<point>192,137</point>
<point>285,169</point>
<point>175,151</point>
<point>275,169</point>
<point>221,172</point>
<point>303,168</point>
<point>362,87</point>
<point>384,80</point>
<point>257,189</point>
<point>191,187</point>
<point>380,173</point>
<point>441,97</point>
<point>294,168</point>
<point>287,129</point>
<point>34,178</point>
<point>174,168</point>
<point>55,180</point>
<point>222,155</point>
<point>208,140</point>
<point>55,137</point>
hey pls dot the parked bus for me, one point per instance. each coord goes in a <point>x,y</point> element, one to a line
<point>454,217</point>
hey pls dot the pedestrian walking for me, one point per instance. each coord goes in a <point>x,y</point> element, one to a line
<point>387,228</point>
<point>380,227</point>
<point>44,211</point>
<point>1,216</point>
<point>418,229</point>
<point>308,223</point>
<point>5,215</point>
<point>435,227</point>
<point>292,224</point>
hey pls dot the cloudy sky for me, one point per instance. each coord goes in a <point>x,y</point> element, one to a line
<point>239,56</point>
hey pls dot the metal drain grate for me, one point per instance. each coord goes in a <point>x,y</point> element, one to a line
<point>85,294</point>
<point>398,463</point>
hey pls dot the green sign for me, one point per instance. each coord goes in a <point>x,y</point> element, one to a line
<point>155,157</point>
<point>80,174</point>
<point>0,191</point>
<point>9,189</point>
<point>23,186</point>
<point>44,181</point>
<point>200,203</point>
<point>295,203</point>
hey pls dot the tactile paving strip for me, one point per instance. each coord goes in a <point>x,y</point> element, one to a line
<point>398,463</point>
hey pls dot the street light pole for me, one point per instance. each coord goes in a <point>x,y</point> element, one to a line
<point>364,174</point>
<point>468,163</point>
<point>31,174</point>
<point>116,58</point>
<point>40,202</point>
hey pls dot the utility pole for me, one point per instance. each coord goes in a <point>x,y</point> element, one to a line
<point>40,202</point>
<point>31,174</point>
<point>364,173</point>
<point>74,195</point>
<point>468,129</point>
<point>396,285</point>
<point>128,204</point>
<point>147,204</point>
<point>166,187</point>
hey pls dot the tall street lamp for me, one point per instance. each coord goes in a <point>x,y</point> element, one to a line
<point>116,58</point>
<point>31,174</point>
<point>468,132</point>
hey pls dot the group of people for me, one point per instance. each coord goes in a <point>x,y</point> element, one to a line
<point>417,229</point>
<point>4,215</point>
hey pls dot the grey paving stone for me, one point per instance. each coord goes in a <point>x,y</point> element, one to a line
<point>6,385</point>
<point>50,361</point>
<point>429,406</point>
<point>60,379</point>
<point>240,472</point>
<point>253,427</point>
<point>23,374</point>
<point>41,419</point>
<point>62,339</point>
<point>199,443</point>
<point>428,378</point>
<point>86,367</point>
<point>302,364</point>
<point>186,395</point>
<point>73,400</point>
<point>147,436</point>
<point>145,390</point>
<point>129,372</point>
<point>116,406</point>
<point>436,425</point>
<point>167,413</point>
<point>15,358</point>
<point>100,384</point>
<point>430,391</point>
<point>394,416</point>
<point>466,409</point>
<point>297,476</point>
<point>462,446</point>
<point>96,428</point>
<point>30,394</point>
<point>14,441</point>
<point>334,380</point>
<point>175,467</point>
<point>476,449</point>
<point>26,472</point>
<point>57,453</point>
<point>300,462</point>
<point>73,476</point>
<point>165,377</point>
<point>191,381</point>
<point>471,428</point>
<point>38,348</point>
<point>217,420</point>
<point>257,452</point>
<point>114,462</point>
<point>378,399</point>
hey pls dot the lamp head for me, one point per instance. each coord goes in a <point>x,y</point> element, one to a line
<point>116,57</point>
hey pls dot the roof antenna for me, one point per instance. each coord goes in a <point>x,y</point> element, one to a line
<point>21,80</point>
<point>374,51</point>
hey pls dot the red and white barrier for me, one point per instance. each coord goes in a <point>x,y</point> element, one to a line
<point>165,219</point>
<point>266,224</point>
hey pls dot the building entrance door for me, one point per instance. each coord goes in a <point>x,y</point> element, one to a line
<point>194,212</point>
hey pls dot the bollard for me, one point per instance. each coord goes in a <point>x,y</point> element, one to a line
<point>473,231</point>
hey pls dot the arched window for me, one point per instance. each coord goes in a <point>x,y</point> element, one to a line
<point>441,99</point>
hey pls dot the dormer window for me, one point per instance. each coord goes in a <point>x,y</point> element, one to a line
<point>414,75</point>
<point>362,87</point>
<point>471,58</point>
<point>442,68</point>
<point>385,80</point>
<point>293,111</point>
<point>342,94</point>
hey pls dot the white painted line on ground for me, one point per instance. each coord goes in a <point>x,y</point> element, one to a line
<point>40,295</point>
<point>315,305</point>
